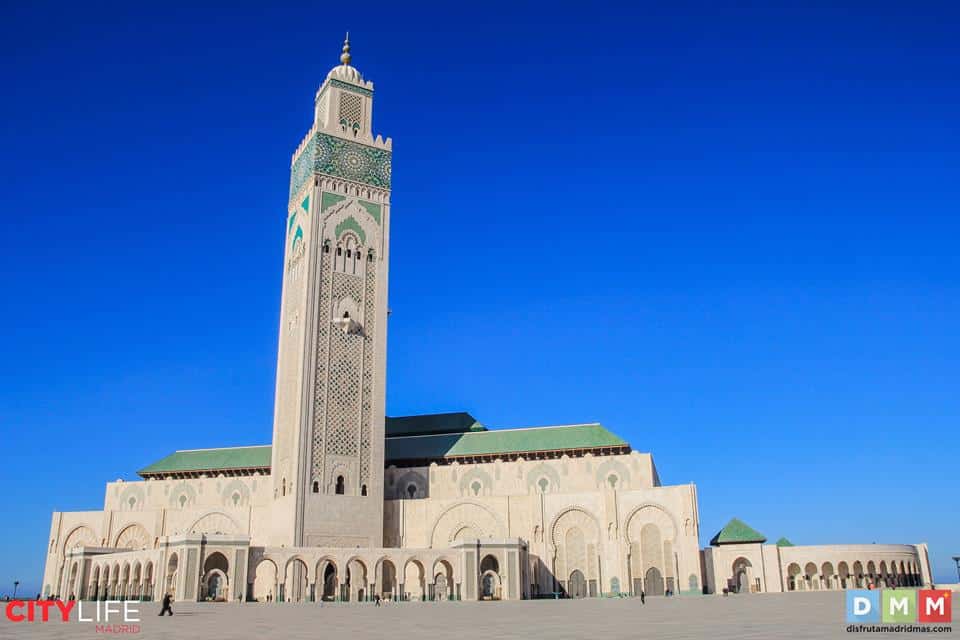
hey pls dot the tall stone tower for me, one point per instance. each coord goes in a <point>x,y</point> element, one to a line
<point>328,433</point>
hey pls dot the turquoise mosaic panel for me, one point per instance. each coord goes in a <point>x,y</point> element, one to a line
<point>305,205</point>
<point>341,159</point>
<point>293,218</point>
<point>352,161</point>
<point>297,236</point>
<point>301,171</point>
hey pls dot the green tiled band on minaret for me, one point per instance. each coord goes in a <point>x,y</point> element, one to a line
<point>339,158</point>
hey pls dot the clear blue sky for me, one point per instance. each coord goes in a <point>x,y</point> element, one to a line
<point>729,234</point>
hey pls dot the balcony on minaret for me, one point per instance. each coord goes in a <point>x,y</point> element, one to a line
<point>348,325</point>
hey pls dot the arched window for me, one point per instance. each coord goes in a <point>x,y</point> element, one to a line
<point>283,487</point>
<point>340,485</point>
<point>363,490</point>
<point>316,487</point>
<point>411,490</point>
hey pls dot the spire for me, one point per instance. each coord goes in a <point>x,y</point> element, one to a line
<point>344,71</point>
<point>345,56</point>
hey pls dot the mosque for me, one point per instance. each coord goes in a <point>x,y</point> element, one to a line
<point>348,504</point>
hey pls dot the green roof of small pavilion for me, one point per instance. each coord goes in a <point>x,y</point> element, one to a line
<point>783,542</point>
<point>210,460</point>
<point>737,532</point>
<point>501,441</point>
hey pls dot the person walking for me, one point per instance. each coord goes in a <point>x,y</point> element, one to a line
<point>167,599</point>
<point>376,600</point>
<point>643,597</point>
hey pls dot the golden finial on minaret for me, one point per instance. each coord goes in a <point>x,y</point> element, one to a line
<point>345,56</point>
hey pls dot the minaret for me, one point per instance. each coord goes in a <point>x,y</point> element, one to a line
<point>328,433</point>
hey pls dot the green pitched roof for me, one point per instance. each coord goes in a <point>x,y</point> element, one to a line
<point>433,423</point>
<point>425,438</point>
<point>783,542</point>
<point>736,532</point>
<point>197,460</point>
<point>480,443</point>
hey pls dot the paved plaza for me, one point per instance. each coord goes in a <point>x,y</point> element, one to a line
<point>760,617</point>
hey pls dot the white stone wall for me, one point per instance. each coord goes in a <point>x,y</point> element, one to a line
<point>853,566</point>
<point>769,568</point>
<point>141,515</point>
<point>602,516</point>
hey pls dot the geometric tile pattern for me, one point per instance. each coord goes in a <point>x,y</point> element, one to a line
<point>340,158</point>
<point>344,372</point>
<point>369,332</point>
<point>320,373</point>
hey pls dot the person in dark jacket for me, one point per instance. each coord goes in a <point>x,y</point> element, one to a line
<point>167,599</point>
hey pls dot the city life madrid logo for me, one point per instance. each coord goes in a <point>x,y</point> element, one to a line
<point>110,616</point>
<point>893,606</point>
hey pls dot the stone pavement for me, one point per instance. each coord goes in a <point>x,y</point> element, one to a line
<point>759,617</point>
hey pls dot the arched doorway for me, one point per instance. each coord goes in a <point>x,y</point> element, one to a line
<point>858,574</point>
<point>490,586</point>
<point>356,580</point>
<point>93,589</point>
<point>104,590</point>
<point>413,580</point>
<point>793,577</point>
<point>214,583</point>
<point>329,577</point>
<point>135,588</point>
<point>442,580</point>
<point>215,586</point>
<point>296,581</point>
<point>741,575</point>
<point>386,579</point>
<point>265,581</point>
<point>577,585</point>
<point>170,584</point>
<point>115,582</point>
<point>490,578</point>
<point>653,582</point>
<point>72,585</point>
<point>441,590</point>
<point>843,571</point>
<point>810,576</point>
